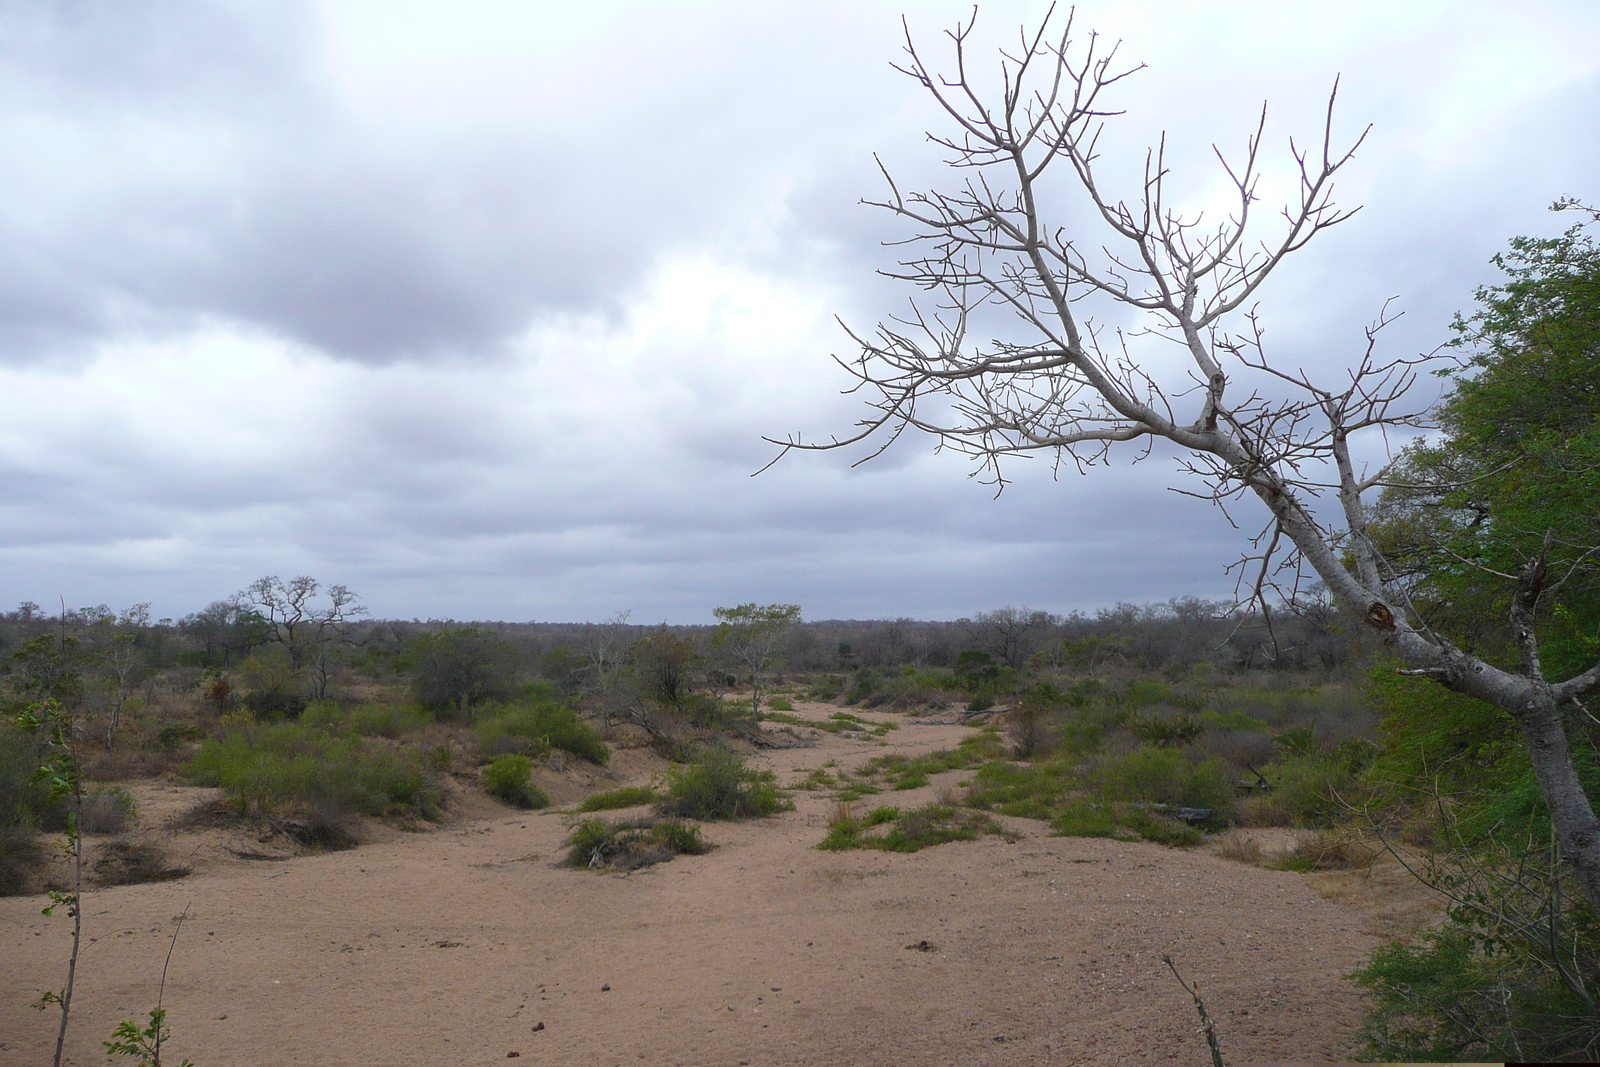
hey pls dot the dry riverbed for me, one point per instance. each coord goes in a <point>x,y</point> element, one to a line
<point>465,945</point>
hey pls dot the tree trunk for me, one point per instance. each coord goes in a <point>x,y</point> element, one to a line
<point>1572,817</point>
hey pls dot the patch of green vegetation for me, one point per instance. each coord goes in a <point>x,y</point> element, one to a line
<point>533,729</point>
<point>910,831</point>
<point>817,779</point>
<point>1081,818</point>
<point>370,720</point>
<point>1027,790</point>
<point>1127,822</point>
<point>837,723</point>
<point>629,796</point>
<point>777,703</point>
<point>596,843</point>
<point>509,778</point>
<point>264,768</point>
<point>718,785</point>
<point>1232,719</point>
<point>980,747</point>
<point>1162,776</point>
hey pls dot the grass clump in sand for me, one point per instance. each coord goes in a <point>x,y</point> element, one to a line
<point>509,779</point>
<point>908,772</point>
<point>909,831</point>
<point>837,723</point>
<point>596,843</point>
<point>716,784</point>
<point>629,796</point>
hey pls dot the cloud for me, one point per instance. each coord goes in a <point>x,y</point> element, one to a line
<point>484,311</point>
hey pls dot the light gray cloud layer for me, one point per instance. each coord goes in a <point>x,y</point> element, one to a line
<point>483,309</point>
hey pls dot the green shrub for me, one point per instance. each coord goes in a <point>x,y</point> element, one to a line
<point>265,768</point>
<point>1160,829</point>
<point>936,824</point>
<point>1083,819</point>
<point>843,835</point>
<point>1316,789</point>
<point>1162,776</point>
<point>630,796</point>
<point>1452,997</point>
<point>595,843</point>
<point>509,778</point>
<point>718,785</point>
<point>538,727</point>
<point>388,720</point>
<point>170,734</point>
<point>779,704</point>
<point>1029,791</point>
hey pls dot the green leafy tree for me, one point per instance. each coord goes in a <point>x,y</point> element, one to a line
<point>751,634</point>
<point>1516,477</point>
<point>458,667</point>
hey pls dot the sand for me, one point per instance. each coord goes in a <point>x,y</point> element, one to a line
<point>464,944</point>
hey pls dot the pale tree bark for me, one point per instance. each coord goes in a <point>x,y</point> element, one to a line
<point>1050,386</point>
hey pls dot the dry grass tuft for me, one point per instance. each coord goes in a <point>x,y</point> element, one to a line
<point>1330,850</point>
<point>1237,846</point>
<point>1262,809</point>
<point>843,812</point>
<point>951,795</point>
<point>129,861</point>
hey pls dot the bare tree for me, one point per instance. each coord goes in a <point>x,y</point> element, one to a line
<point>990,247</point>
<point>119,635</point>
<point>305,628</point>
<point>1008,633</point>
<point>606,650</point>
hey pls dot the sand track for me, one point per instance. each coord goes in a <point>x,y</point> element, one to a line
<point>450,946</point>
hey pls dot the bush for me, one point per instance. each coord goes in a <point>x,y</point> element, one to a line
<point>1453,997</point>
<point>779,704</point>
<point>534,729</point>
<point>1316,789</point>
<point>106,810</point>
<point>455,668</point>
<point>718,785</point>
<point>509,778</point>
<point>1028,791</point>
<point>126,861</point>
<point>1163,776</point>
<point>265,768</point>
<point>627,797</point>
<point>1083,819</point>
<point>595,843</point>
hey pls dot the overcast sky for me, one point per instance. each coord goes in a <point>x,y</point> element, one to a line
<point>482,309</point>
